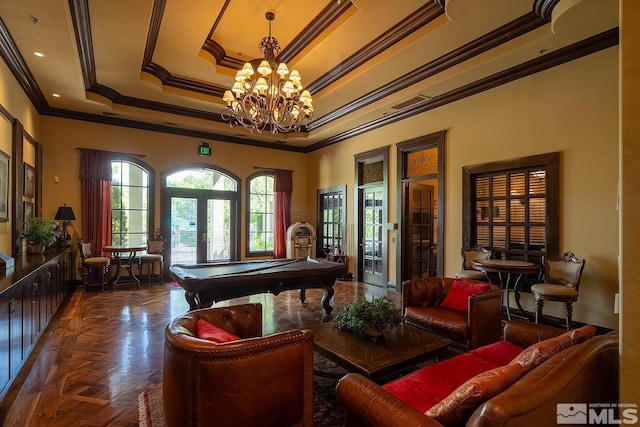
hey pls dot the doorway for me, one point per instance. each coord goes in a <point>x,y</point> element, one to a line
<point>371,217</point>
<point>422,251</point>
<point>200,206</point>
<point>200,230</point>
<point>421,204</point>
<point>373,261</point>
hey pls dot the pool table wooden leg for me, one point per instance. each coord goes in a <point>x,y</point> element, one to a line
<point>192,300</point>
<point>326,298</point>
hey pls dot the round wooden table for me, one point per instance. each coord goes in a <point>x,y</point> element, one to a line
<point>505,269</point>
<point>117,251</point>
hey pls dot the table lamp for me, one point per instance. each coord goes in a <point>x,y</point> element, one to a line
<point>65,214</point>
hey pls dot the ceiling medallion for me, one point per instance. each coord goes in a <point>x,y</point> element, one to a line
<point>272,99</point>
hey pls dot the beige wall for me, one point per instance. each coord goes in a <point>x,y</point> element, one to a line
<point>572,109</point>
<point>14,100</point>
<point>630,202</point>
<point>61,137</point>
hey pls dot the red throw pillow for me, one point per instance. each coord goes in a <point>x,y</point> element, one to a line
<point>458,296</point>
<point>456,408</point>
<point>207,331</point>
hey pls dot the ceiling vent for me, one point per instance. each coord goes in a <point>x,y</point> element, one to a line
<point>410,102</point>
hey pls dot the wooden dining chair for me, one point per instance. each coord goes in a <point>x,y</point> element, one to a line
<point>92,265</point>
<point>561,284</point>
<point>468,256</point>
<point>153,256</point>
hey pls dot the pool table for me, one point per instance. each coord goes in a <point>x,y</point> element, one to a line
<point>205,284</point>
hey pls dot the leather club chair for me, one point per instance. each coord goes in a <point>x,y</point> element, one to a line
<point>256,381</point>
<point>478,326</point>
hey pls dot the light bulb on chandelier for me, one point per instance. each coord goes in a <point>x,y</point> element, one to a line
<point>268,100</point>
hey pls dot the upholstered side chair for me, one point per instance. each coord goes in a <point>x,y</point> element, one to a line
<point>562,277</point>
<point>154,255</point>
<point>468,256</point>
<point>92,265</point>
<point>249,381</point>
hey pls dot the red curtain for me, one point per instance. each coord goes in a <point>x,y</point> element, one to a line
<point>283,187</point>
<point>95,190</point>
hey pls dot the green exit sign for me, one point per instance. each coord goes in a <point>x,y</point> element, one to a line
<point>204,149</point>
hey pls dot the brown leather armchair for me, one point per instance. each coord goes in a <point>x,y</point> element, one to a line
<point>481,325</point>
<point>265,381</point>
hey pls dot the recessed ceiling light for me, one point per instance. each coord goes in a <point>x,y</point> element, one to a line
<point>55,95</point>
<point>39,54</point>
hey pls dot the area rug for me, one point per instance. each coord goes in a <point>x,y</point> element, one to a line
<point>326,411</point>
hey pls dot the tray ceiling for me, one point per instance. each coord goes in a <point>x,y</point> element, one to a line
<point>163,65</point>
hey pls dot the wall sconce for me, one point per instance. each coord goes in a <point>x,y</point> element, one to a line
<point>65,214</point>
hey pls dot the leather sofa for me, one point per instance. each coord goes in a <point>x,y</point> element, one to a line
<point>422,303</point>
<point>253,381</point>
<point>586,372</point>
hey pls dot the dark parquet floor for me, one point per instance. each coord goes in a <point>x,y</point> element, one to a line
<point>104,348</point>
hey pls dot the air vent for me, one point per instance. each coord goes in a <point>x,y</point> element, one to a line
<point>410,102</point>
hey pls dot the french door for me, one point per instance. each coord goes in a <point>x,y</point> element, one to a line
<point>201,230</point>
<point>199,209</point>
<point>371,216</point>
<point>421,249</point>
<point>373,261</point>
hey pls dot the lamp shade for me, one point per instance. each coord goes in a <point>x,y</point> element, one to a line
<point>65,213</point>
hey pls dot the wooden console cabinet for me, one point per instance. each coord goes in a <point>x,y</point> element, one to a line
<point>29,297</point>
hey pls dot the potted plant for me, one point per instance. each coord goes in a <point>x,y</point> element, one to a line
<point>371,319</point>
<point>40,233</point>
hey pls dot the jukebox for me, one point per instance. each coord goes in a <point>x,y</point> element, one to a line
<point>301,240</point>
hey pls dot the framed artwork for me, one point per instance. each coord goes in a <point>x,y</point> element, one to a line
<point>4,187</point>
<point>27,208</point>
<point>29,180</point>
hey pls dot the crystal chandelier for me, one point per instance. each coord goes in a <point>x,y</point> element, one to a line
<point>272,99</point>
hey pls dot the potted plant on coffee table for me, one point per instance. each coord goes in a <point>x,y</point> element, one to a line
<point>370,319</point>
<point>40,233</point>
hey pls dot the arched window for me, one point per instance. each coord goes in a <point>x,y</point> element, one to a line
<point>261,214</point>
<point>131,201</point>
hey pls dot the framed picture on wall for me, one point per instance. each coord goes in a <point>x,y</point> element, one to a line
<point>4,187</point>
<point>29,180</point>
<point>27,208</point>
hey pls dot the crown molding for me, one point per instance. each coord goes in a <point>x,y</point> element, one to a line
<point>79,8</point>
<point>482,44</point>
<point>416,20</point>
<point>14,60</point>
<point>569,53</point>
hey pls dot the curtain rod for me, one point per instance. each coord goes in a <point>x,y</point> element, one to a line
<point>113,152</point>
<point>272,169</point>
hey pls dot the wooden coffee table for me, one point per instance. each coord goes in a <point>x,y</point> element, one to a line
<point>402,347</point>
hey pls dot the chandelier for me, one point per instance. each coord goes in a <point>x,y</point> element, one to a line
<point>272,99</point>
